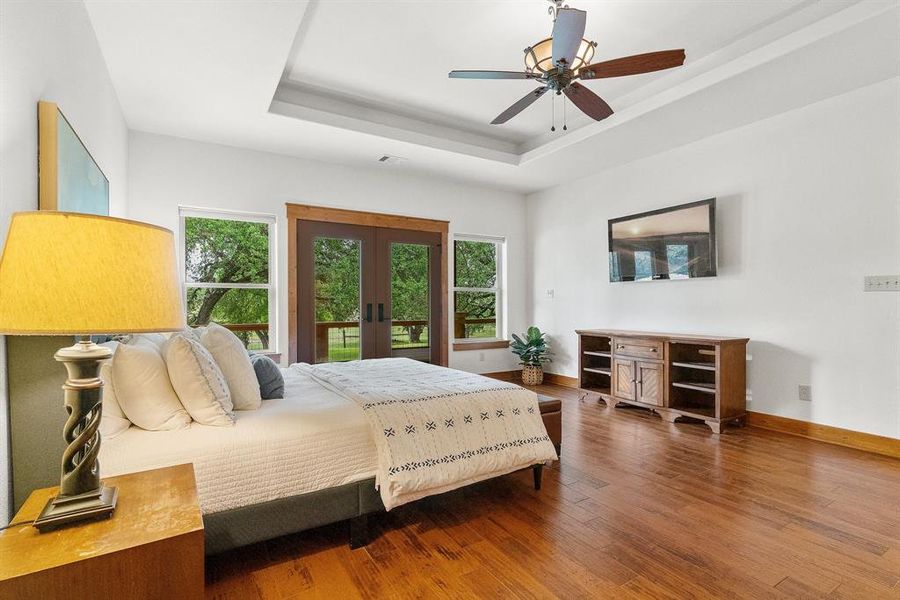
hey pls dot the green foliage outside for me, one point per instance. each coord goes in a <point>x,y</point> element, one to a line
<point>224,251</point>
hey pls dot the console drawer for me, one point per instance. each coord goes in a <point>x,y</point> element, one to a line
<point>638,348</point>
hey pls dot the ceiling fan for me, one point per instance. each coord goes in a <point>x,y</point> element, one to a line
<point>558,61</point>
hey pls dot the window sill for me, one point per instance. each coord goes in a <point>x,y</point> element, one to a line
<point>462,346</point>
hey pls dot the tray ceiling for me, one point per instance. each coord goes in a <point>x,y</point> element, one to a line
<point>348,81</point>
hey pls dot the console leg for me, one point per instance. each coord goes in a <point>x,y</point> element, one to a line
<point>716,426</point>
<point>359,531</point>
<point>668,416</point>
<point>538,472</point>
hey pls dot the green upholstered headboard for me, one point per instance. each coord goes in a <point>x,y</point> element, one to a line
<point>36,412</point>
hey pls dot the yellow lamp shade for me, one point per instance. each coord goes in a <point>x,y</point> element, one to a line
<point>70,273</point>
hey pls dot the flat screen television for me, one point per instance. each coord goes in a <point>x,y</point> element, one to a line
<point>678,242</point>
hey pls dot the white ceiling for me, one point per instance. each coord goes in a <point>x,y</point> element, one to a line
<point>348,81</point>
<point>399,53</point>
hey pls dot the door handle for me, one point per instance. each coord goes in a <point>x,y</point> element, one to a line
<point>380,312</point>
<point>369,312</point>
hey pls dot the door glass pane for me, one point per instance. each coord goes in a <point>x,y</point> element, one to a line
<point>410,301</point>
<point>476,315</point>
<point>337,299</point>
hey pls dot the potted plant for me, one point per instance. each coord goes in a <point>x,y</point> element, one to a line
<point>533,352</point>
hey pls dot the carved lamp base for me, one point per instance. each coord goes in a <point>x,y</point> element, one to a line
<point>63,510</point>
<point>82,496</point>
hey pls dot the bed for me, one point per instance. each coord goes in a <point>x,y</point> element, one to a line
<point>326,451</point>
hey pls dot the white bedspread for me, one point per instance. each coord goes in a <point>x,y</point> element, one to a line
<point>437,429</point>
<point>311,440</point>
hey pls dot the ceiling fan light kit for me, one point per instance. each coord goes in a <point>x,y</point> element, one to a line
<point>558,61</point>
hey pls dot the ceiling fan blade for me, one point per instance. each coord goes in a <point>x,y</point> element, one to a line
<point>590,103</point>
<point>568,30</point>
<point>634,65</point>
<point>519,106</point>
<point>491,75</point>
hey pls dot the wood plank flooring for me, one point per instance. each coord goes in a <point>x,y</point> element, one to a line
<point>636,508</point>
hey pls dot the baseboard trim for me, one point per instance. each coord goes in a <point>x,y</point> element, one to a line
<point>505,375</point>
<point>825,433</point>
<point>551,378</point>
<point>563,380</point>
<point>866,442</point>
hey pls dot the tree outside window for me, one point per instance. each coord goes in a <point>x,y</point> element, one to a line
<point>228,274</point>
<point>477,295</point>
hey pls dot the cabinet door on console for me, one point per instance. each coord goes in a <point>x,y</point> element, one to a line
<point>649,383</point>
<point>623,379</point>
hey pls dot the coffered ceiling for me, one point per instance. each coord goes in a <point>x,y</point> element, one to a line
<point>349,81</point>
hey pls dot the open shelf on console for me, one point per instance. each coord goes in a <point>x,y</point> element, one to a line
<point>703,366</point>
<point>709,388</point>
<point>606,372</point>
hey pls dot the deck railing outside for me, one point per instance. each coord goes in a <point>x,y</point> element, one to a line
<point>339,340</point>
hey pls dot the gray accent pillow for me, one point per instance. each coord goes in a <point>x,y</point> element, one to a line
<point>271,381</point>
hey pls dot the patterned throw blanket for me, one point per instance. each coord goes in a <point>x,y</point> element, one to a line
<point>437,429</point>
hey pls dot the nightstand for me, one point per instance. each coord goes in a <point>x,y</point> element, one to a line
<point>151,547</point>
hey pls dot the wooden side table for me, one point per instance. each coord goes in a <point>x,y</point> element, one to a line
<point>151,547</point>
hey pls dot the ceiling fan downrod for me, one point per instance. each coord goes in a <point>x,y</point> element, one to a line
<point>553,10</point>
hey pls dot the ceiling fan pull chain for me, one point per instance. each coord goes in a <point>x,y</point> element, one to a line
<point>565,123</point>
<point>552,113</point>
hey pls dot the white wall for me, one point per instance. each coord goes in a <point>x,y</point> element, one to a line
<point>165,172</point>
<point>48,51</point>
<point>808,203</point>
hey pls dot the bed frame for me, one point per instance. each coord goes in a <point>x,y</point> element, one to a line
<point>36,422</point>
<point>352,502</point>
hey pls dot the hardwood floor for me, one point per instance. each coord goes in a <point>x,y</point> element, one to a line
<point>636,508</point>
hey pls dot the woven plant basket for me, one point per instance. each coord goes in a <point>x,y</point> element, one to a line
<point>532,375</point>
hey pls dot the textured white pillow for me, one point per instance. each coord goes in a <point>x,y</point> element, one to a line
<point>144,391</point>
<point>154,339</point>
<point>232,358</point>
<point>198,381</point>
<point>112,421</point>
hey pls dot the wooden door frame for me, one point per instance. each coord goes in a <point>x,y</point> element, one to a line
<point>384,238</point>
<point>307,231</point>
<point>304,212</point>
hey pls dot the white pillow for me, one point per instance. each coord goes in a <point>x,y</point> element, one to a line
<point>112,420</point>
<point>144,391</point>
<point>198,381</point>
<point>154,339</point>
<point>232,358</point>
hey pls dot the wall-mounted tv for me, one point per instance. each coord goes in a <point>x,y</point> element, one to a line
<point>678,242</point>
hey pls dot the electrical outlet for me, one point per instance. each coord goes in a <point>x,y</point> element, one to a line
<point>805,392</point>
<point>481,357</point>
<point>881,283</point>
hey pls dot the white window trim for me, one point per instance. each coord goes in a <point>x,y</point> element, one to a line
<point>499,287</point>
<point>272,286</point>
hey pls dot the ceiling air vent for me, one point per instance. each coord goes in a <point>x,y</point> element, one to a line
<point>391,160</point>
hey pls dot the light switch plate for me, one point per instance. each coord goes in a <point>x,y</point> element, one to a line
<point>882,283</point>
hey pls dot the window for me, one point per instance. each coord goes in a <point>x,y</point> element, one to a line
<point>229,275</point>
<point>477,288</point>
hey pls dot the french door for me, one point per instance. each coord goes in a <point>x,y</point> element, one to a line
<point>367,292</point>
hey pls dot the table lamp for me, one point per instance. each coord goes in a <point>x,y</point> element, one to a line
<point>78,274</point>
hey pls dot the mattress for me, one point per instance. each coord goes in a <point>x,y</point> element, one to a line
<point>310,440</point>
